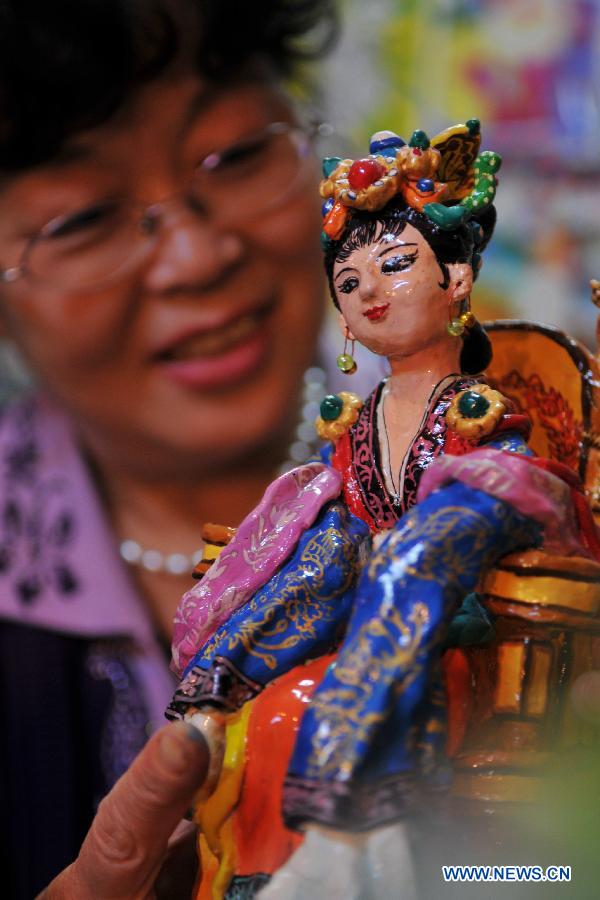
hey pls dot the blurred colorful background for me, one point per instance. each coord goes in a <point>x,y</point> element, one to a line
<point>529,69</point>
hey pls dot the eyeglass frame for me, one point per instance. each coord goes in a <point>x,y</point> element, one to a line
<point>151,214</point>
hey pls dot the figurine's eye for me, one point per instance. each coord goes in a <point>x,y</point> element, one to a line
<point>348,285</point>
<point>398,263</point>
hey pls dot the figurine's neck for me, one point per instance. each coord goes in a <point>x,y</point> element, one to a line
<point>413,376</point>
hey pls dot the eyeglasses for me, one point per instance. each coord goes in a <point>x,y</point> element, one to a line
<point>95,245</point>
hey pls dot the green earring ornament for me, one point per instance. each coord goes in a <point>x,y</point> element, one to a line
<point>464,322</point>
<point>345,361</point>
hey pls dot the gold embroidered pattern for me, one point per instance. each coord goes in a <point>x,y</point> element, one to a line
<point>442,530</point>
<point>345,722</point>
<point>392,647</point>
<point>296,601</point>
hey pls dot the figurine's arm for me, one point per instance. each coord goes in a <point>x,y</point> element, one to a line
<point>372,727</point>
<point>360,739</point>
<point>357,753</point>
<point>297,615</point>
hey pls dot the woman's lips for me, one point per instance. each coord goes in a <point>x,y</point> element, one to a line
<point>219,357</point>
<point>376,312</point>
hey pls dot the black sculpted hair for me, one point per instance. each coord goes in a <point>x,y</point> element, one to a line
<point>457,246</point>
<point>67,65</point>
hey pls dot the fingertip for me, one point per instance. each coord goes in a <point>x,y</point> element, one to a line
<point>182,746</point>
<point>130,833</point>
<point>194,734</point>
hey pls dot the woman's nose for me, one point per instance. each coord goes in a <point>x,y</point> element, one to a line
<point>191,252</point>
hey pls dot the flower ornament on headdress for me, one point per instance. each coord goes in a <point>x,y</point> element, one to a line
<point>446,178</point>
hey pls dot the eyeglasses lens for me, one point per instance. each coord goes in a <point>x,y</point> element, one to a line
<point>242,182</point>
<point>253,176</point>
<point>89,247</point>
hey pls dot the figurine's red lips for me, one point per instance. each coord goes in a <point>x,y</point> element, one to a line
<point>376,312</point>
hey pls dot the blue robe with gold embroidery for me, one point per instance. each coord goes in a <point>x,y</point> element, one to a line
<point>373,727</point>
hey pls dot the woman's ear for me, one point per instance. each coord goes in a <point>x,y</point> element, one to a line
<point>461,281</point>
<point>346,333</point>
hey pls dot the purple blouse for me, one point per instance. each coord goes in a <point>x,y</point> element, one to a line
<point>60,568</point>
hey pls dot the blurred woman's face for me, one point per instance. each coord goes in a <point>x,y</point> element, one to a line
<point>195,354</point>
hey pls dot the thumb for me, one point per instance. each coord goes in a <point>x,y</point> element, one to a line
<point>123,851</point>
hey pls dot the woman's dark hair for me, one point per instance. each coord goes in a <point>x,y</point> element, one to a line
<point>69,64</point>
<point>461,245</point>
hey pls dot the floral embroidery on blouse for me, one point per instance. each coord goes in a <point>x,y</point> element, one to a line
<point>36,526</point>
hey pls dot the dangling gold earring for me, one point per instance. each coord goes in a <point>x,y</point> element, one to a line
<point>345,361</point>
<point>464,322</point>
<point>454,326</point>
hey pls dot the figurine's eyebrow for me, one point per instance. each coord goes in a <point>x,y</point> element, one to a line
<point>347,269</point>
<point>395,247</point>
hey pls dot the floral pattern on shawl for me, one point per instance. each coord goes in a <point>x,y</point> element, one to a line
<point>263,542</point>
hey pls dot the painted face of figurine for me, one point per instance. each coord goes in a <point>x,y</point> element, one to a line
<point>393,295</point>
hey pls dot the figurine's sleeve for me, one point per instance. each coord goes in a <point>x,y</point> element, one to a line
<point>376,714</point>
<point>357,754</point>
<point>263,543</point>
<point>300,613</point>
<point>471,624</point>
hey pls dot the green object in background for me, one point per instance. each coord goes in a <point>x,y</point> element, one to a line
<point>471,625</point>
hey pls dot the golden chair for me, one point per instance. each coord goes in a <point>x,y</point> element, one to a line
<point>509,700</point>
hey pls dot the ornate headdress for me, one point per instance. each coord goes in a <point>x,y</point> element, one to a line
<point>446,178</point>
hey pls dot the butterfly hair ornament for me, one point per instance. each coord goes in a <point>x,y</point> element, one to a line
<point>446,178</point>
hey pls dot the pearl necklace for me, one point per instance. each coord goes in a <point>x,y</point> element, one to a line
<point>304,445</point>
<point>155,561</point>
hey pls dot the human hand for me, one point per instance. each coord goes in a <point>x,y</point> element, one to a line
<point>128,841</point>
